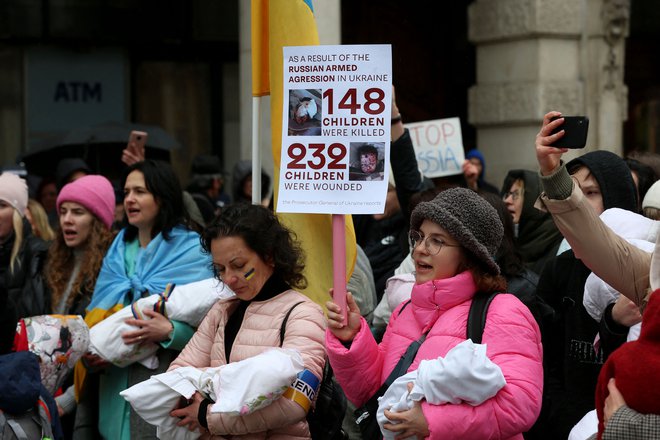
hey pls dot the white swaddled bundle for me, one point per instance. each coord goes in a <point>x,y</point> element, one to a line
<point>188,303</point>
<point>243,387</point>
<point>638,231</point>
<point>586,427</point>
<point>465,374</point>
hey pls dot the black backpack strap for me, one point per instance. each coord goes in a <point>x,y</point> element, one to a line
<point>286,318</point>
<point>405,361</point>
<point>477,316</point>
<point>400,368</point>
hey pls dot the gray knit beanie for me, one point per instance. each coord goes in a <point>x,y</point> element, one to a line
<point>469,219</point>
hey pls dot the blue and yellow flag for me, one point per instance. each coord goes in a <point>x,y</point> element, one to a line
<point>275,24</point>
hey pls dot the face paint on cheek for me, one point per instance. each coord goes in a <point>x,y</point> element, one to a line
<point>249,274</point>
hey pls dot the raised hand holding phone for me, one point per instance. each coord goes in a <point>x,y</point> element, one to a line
<point>548,156</point>
<point>134,151</point>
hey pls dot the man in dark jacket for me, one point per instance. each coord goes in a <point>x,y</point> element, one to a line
<point>571,363</point>
<point>241,183</point>
<point>207,185</point>
<point>474,172</point>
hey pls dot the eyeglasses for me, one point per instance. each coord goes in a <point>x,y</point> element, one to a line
<point>515,195</point>
<point>432,243</point>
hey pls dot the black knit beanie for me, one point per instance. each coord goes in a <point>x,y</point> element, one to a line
<point>469,219</point>
<point>613,177</point>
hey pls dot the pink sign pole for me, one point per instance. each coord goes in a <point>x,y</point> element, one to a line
<point>339,262</point>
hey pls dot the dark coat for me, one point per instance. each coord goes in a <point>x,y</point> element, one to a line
<point>538,238</point>
<point>25,284</point>
<point>240,172</point>
<point>21,388</point>
<point>482,184</point>
<point>20,381</point>
<point>523,286</point>
<point>571,364</point>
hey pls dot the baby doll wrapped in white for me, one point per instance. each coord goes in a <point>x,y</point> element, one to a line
<point>638,231</point>
<point>465,374</point>
<point>238,388</point>
<point>188,303</point>
<point>586,427</point>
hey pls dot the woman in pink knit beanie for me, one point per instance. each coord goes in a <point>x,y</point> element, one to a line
<point>85,208</point>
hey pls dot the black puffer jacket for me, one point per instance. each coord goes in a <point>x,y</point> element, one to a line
<point>25,284</point>
<point>570,361</point>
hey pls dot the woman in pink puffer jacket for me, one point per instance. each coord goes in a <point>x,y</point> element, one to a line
<point>454,238</point>
<point>256,257</point>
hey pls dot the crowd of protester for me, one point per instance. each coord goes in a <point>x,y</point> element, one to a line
<point>565,254</point>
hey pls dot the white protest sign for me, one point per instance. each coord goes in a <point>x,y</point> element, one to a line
<point>438,146</point>
<point>335,129</point>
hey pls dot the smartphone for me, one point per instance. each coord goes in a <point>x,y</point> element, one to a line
<point>136,142</point>
<point>575,132</point>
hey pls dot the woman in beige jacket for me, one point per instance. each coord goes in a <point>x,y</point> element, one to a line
<point>620,264</point>
<point>255,256</point>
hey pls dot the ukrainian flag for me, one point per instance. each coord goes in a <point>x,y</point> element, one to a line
<point>275,24</point>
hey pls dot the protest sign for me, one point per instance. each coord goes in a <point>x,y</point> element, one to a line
<point>438,146</point>
<point>336,129</point>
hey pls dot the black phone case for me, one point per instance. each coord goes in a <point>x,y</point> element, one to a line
<point>575,132</point>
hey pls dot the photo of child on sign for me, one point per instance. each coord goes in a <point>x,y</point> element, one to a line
<point>304,112</point>
<point>367,161</point>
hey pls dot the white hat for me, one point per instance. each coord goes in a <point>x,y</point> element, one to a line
<point>652,197</point>
<point>14,191</point>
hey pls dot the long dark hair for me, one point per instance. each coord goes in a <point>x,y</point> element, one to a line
<point>264,234</point>
<point>163,184</point>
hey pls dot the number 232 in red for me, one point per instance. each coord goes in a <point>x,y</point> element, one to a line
<point>335,152</point>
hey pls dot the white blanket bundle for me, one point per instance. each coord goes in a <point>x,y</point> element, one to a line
<point>639,231</point>
<point>188,303</point>
<point>465,374</point>
<point>238,388</point>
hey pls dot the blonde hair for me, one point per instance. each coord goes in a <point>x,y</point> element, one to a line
<point>17,221</point>
<point>40,226</point>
